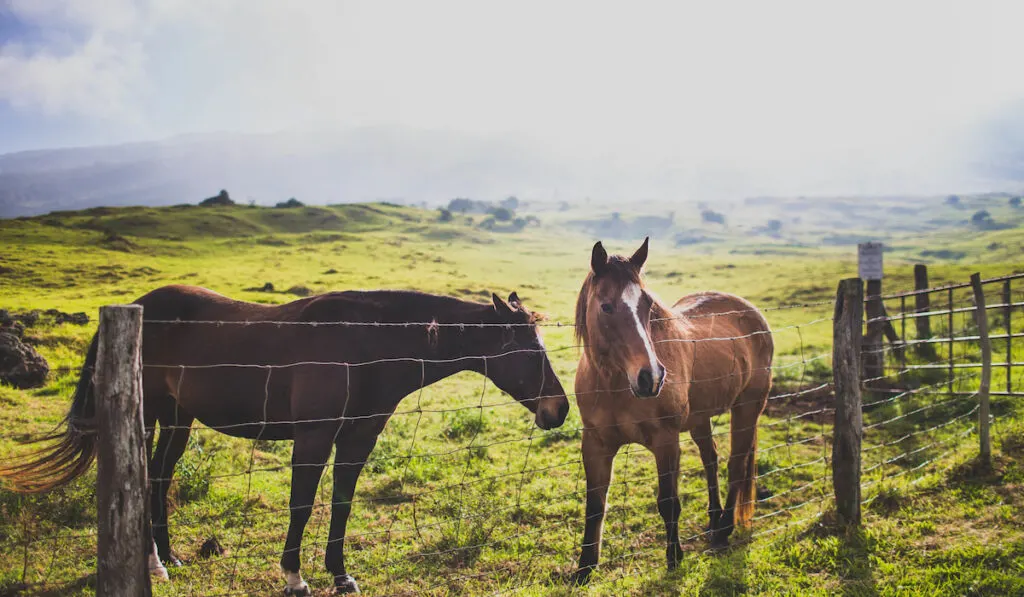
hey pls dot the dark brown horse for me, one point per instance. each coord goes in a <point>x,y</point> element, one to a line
<point>334,384</point>
<point>648,373</point>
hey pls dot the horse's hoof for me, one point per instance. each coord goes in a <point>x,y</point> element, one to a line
<point>581,576</point>
<point>345,584</point>
<point>674,556</point>
<point>171,561</point>
<point>301,590</point>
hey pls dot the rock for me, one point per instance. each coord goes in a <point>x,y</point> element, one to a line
<point>211,547</point>
<point>75,318</point>
<point>20,365</point>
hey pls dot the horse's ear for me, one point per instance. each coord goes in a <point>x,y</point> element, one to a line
<point>598,258</point>
<point>499,305</point>
<point>640,257</point>
<point>514,302</point>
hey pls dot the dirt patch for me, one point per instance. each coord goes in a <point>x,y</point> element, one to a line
<point>792,401</point>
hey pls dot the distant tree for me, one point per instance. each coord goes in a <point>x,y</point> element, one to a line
<point>510,203</point>
<point>953,200</point>
<point>293,202</point>
<point>460,205</point>
<point>712,217</point>
<point>488,224</point>
<point>519,224</point>
<point>222,198</point>
<point>445,216</point>
<point>502,214</point>
<point>982,219</point>
<point>1015,202</point>
<point>564,206</point>
<point>774,225</point>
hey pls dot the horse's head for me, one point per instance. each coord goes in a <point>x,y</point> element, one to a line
<point>613,320</point>
<point>521,367</point>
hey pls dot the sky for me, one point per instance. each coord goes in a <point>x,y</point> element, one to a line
<point>781,88</point>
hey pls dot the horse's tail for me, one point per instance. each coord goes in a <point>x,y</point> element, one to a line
<point>748,492</point>
<point>74,449</point>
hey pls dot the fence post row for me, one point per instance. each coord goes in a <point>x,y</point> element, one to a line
<point>981,317</point>
<point>847,324</point>
<point>124,539</point>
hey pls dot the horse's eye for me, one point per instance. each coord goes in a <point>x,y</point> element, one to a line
<point>607,307</point>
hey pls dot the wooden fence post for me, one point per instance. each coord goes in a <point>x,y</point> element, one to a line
<point>1008,315</point>
<point>122,495</point>
<point>874,354</point>
<point>847,325</point>
<point>986,369</point>
<point>921,305</point>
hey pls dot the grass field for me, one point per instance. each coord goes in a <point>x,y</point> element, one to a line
<point>463,494</point>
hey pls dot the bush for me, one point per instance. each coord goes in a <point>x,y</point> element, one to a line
<point>712,217</point>
<point>1015,202</point>
<point>502,214</point>
<point>293,202</point>
<point>445,215</point>
<point>222,198</point>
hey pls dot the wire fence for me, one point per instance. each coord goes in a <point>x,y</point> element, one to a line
<point>466,495</point>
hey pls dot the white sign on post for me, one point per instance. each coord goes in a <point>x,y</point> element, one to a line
<point>869,261</point>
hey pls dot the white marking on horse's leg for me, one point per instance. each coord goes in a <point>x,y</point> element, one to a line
<point>294,585</point>
<point>631,298</point>
<point>156,567</point>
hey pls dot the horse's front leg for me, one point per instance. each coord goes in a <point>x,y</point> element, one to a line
<point>352,449</point>
<point>309,457</point>
<point>666,456</point>
<point>597,464</point>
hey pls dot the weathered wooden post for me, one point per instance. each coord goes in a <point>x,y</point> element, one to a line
<point>869,261</point>
<point>1008,316</point>
<point>986,369</point>
<point>921,305</point>
<point>122,495</point>
<point>847,325</point>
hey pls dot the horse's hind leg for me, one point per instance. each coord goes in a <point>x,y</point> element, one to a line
<point>739,505</point>
<point>175,426</point>
<point>705,440</point>
<point>666,456</point>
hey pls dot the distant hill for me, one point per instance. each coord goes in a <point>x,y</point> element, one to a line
<point>360,165</point>
<point>408,165</point>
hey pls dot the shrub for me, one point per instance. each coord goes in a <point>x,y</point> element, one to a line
<point>293,202</point>
<point>221,198</point>
<point>502,214</point>
<point>445,215</point>
<point>712,217</point>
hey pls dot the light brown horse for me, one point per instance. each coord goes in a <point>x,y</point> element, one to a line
<point>648,373</point>
<point>267,372</point>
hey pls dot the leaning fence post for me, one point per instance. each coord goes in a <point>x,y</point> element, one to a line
<point>986,368</point>
<point>922,305</point>
<point>874,352</point>
<point>122,496</point>
<point>847,323</point>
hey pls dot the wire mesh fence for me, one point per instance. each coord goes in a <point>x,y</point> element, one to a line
<point>462,493</point>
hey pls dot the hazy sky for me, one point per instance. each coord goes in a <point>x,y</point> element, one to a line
<point>771,85</point>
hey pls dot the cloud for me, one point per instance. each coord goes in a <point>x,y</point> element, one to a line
<point>790,91</point>
<point>85,60</point>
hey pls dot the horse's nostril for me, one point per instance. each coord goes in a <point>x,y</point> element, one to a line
<point>645,381</point>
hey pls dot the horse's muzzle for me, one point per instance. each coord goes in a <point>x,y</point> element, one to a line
<point>554,416</point>
<point>647,386</point>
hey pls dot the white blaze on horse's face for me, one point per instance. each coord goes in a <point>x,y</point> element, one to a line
<point>631,296</point>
